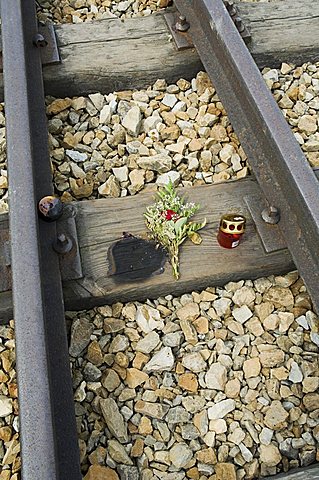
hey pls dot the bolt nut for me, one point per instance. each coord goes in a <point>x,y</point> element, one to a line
<point>239,24</point>
<point>50,208</point>
<point>39,41</point>
<point>182,24</point>
<point>63,244</point>
<point>271,215</point>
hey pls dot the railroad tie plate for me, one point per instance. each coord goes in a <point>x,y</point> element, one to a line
<point>70,262</point>
<point>181,37</point>
<point>270,235</point>
<point>50,52</point>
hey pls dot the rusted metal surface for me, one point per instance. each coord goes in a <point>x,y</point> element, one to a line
<point>275,156</point>
<point>270,235</point>
<point>181,38</point>
<point>48,430</point>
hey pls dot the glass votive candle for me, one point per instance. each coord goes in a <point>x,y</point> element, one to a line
<point>231,229</point>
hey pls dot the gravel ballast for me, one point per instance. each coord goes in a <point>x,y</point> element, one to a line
<point>216,384</point>
<point>224,382</point>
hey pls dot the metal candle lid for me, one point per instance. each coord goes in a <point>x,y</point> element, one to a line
<point>232,223</point>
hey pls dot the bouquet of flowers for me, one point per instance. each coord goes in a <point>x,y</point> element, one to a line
<point>168,222</point>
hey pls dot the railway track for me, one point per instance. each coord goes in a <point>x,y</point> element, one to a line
<point>285,182</point>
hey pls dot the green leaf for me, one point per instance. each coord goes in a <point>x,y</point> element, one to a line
<point>180,223</point>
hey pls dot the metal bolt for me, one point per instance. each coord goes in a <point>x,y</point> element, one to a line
<point>231,8</point>
<point>63,244</point>
<point>50,208</point>
<point>39,41</point>
<point>239,24</point>
<point>182,24</point>
<point>271,215</point>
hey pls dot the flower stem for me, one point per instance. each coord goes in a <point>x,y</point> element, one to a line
<point>175,260</point>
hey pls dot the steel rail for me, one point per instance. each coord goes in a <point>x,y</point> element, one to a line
<point>280,167</point>
<point>49,445</point>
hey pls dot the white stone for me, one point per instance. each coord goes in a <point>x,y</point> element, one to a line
<point>226,153</point>
<point>97,99</point>
<point>169,100</point>
<point>295,375</point>
<point>150,123</point>
<point>314,337</point>
<point>148,319</point>
<point>237,436</point>
<point>246,453</point>
<point>161,361</point>
<point>271,75</point>
<point>216,377</point>
<point>244,296</point>
<point>172,176</point>
<point>179,107</point>
<point>222,306</point>
<point>6,407</point>
<point>242,314</point>
<point>105,114</point>
<point>132,121</point>
<point>121,173</point>
<point>265,436</point>
<point>194,362</point>
<point>218,426</point>
<point>221,409</point>
<point>209,439</point>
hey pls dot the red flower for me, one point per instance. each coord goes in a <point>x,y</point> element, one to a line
<point>170,215</point>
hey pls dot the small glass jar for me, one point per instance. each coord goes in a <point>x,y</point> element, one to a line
<point>231,229</point>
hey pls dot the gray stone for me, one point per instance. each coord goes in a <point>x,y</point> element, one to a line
<point>119,343</point>
<point>295,375</point>
<point>76,156</point>
<point>80,336</point>
<point>180,454</point>
<point>128,472</point>
<point>148,343</point>
<point>91,373</point>
<point>172,339</point>
<point>118,452</point>
<point>265,436</point>
<point>114,419</point>
<point>177,415</point>
<point>189,431</point>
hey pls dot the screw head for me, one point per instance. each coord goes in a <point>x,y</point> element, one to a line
<point>271,215</point>
<point>50,208</point>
